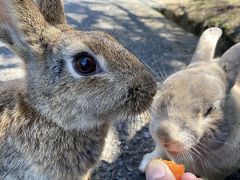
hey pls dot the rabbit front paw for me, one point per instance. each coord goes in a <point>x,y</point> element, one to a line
<point>147,158</point>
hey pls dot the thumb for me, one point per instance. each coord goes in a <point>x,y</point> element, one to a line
<point>157,170</point>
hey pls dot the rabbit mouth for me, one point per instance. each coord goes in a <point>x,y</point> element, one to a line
<point>139,105</point>
<point>133,106</point>
<point>198,147</point>
<point>139,99</point>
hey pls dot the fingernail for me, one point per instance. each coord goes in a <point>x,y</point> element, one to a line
<point>155,171</point>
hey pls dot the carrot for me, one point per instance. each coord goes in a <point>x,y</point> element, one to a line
<point>177,169</point>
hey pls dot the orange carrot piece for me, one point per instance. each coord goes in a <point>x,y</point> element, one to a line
<point>177,169</point>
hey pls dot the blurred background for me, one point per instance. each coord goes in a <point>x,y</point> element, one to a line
<point>197,15</point>
<point>163,35</point>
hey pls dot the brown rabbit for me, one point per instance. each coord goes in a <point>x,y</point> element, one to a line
<point>53,123</point>
<point>197,113</point>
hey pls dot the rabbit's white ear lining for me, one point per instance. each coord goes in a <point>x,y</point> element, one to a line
<point>85,64</point>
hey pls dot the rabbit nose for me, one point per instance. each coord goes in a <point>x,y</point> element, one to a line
<point>172,146</point>
<point>133,91</point>
<point>143,84</point>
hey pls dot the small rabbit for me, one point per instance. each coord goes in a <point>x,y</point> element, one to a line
<point>196,113</point>
<point>53,123</point>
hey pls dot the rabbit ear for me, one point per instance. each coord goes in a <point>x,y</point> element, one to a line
<point>8,32</point>
<point>53,11</point>
<point>230,62</point>
<point>22,26</point>
<point>206,45</point>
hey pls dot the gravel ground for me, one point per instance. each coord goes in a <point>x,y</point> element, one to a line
<point>159,43</point>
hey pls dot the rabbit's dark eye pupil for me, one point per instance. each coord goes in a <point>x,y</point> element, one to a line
<point>209,111</point>
<point>85,64</point>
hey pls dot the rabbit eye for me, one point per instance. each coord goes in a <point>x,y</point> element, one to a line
<point>209,110</point>
<point>84,64</point>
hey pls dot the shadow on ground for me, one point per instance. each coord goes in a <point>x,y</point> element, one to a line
<point>126,165</point>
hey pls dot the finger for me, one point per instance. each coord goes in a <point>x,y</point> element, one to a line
<point>157,170</point>
<point>188,176</point>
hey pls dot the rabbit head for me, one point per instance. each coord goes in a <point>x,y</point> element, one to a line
<point>190,107</point>
<point>77,79</point>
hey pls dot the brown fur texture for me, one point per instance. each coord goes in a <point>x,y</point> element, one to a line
<point>196,119</point>
<point>53,11</point>
<point>54,122</point>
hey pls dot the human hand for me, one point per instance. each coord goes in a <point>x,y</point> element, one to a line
<point>157,170</point>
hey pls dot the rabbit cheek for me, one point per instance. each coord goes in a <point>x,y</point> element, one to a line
<point>216,134</point>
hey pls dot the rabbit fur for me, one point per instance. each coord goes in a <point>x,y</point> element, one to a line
<point>196,113</point>
<point>53,123</point>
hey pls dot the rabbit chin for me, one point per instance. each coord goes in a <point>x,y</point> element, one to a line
<point>86,122</point>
